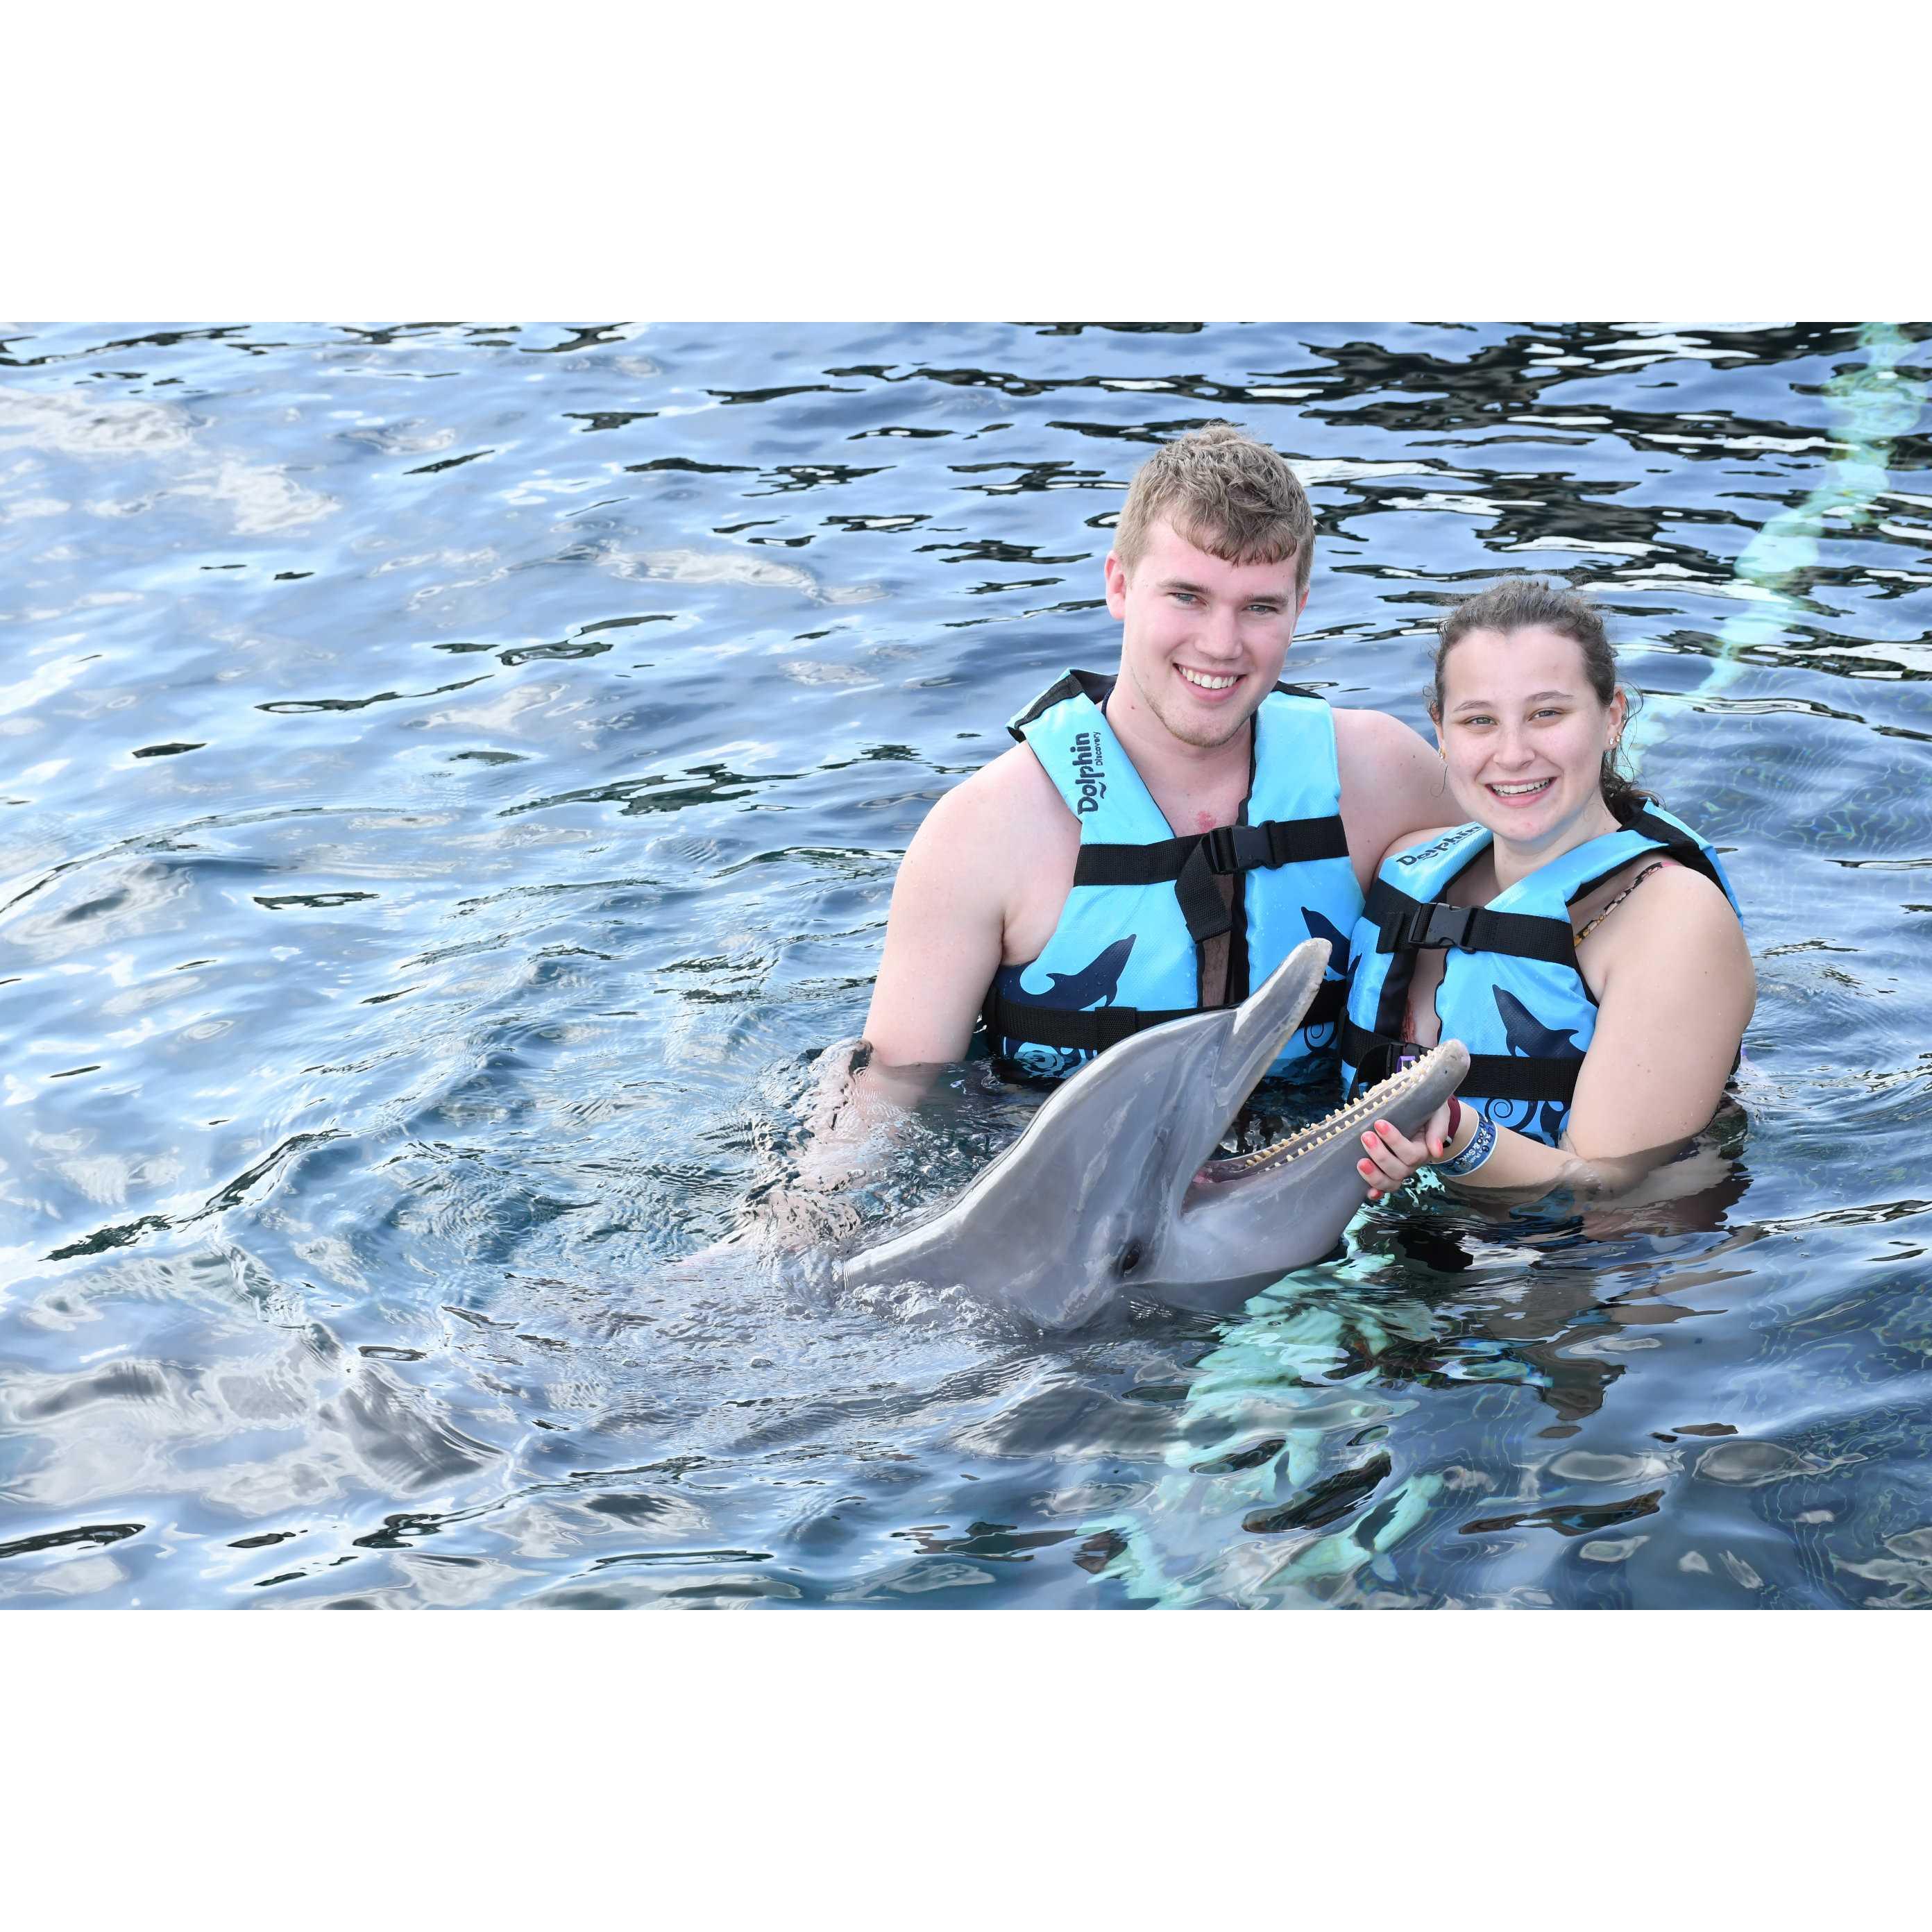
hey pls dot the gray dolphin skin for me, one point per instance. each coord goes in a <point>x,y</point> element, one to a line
<point>1111,1192</point>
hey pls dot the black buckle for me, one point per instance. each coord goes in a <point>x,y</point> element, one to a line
<point>1435,925</point>
<point>1383,1062</point>
<point>1237,848</point>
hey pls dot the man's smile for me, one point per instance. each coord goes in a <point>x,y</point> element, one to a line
<point>1207,680</point>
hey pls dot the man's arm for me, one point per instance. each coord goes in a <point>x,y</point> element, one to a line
<point>1393,784</point>
<point>944,938</point>
<point>947,927</point>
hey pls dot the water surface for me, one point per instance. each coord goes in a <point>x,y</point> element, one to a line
<point>451,781</point>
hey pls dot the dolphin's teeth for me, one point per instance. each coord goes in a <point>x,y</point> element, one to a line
<point>1347,1118</point>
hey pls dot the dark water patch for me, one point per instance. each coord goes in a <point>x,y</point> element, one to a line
<point>1577,1519</point>
<point>295,706</point>
<point>449,462</point>
<point>1325,1502</point>
<point>96,1535</point>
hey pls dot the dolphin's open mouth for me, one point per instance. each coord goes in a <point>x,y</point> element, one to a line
<point>1352,1117</point>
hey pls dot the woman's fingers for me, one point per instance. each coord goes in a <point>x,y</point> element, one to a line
<point>1392,1159</point>
<point>1412,1154</point>
<point>1383,1174</point>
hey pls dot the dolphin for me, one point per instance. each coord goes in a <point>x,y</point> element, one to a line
<point>1113,1192</point>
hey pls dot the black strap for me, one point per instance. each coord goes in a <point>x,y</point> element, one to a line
<point>1684,849</point>
<point>1228,848</point>
<point>1193,863</point>
<point>1407,925</point>
<point>1094,1032</point>
<point>1072,686</point>
<point>1492,1076</point>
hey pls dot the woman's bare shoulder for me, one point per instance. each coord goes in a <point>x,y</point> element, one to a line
<point>1672,895</point>
<point>1676,925</point>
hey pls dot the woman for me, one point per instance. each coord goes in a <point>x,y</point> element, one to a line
<point>1580,940</point>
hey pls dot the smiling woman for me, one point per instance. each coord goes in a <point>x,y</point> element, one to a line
<point>1597,1045</point>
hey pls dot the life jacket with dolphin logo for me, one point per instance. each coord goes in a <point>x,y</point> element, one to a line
<point>1511,990</point>
<point>1127,953</point>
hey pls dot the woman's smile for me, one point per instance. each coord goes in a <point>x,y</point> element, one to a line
<point>1520,791</point>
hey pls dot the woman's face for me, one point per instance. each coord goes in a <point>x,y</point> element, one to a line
<point>1523,736</point>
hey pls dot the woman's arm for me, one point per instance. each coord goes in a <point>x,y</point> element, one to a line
<point>1675,990</point>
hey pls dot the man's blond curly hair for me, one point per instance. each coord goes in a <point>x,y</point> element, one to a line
<point>1225,494</point>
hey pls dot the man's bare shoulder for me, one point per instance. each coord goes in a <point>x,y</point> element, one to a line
<point>985,838</point>
<point>1392,783</point>
<point>1007,796</point>
<point>1361,733</point>
<point>1386,768</point>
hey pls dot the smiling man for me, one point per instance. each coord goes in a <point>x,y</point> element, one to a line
<point>1159,841</point>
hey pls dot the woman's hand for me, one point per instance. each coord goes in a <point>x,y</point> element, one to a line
<point>1394,1160</point>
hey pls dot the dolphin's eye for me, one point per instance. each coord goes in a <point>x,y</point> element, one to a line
<point>1130,1259</point>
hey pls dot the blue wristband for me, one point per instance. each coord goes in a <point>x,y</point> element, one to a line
<point>1482,1144</point>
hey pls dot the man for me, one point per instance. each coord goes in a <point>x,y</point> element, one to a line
<point>1161,841</point>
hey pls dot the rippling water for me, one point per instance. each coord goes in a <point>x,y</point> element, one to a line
<point>451,781</point>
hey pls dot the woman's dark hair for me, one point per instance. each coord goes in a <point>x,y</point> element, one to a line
<point>1528,603</point>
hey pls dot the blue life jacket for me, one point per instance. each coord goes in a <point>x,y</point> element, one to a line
<point>1511,990</point>
<point>1127,952</point>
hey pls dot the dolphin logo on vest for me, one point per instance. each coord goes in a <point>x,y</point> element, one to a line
<point>1447,843</point>
<point>1528,1035</point>
<point>1339,962</point>
<point>1086,771</point>
<point>1095,984</point>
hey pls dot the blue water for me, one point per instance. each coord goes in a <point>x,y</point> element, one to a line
<point>451,781</point>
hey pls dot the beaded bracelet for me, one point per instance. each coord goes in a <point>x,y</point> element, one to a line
<point>1482,1144</point>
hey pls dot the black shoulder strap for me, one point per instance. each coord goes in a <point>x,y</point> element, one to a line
<point>1683,848</point>
<point>1407,925</point>
<point>1075,684</point>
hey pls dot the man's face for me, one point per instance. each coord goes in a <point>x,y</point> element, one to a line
<point>1203,640</point>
